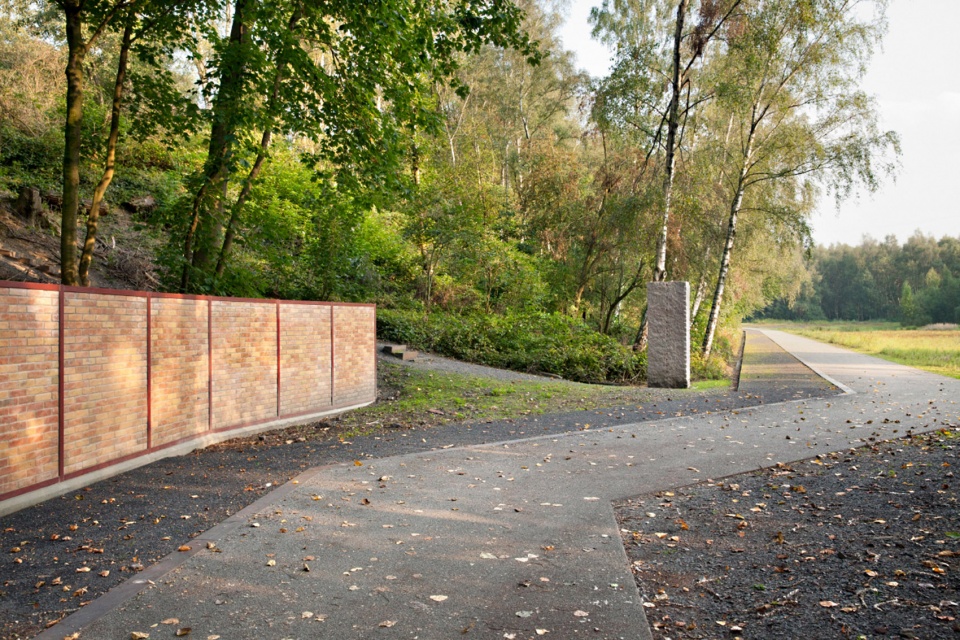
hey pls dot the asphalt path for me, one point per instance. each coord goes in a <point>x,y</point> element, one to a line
<point>514,539</point>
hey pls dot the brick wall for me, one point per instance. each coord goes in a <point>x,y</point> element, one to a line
<point>354,346</point>
<point>105,378</point>
<point>304,358</point>
<point>179,369</point>
<point>244,363</point>
<point>29,383</point>
<point>118,375</point>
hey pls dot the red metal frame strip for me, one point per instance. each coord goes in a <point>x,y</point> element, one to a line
<point>37,286</point>
<point>149,373</point>
<point>60,388</point>
<point>278,357</point>
<point>209,364</point>
<point>33,487</point>
<point>333,360</point>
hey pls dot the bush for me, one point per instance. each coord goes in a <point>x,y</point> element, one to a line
<point>530,342</point>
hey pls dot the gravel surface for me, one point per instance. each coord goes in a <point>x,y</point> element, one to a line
<point>67,551</point>
<point>862,544</point>
<point>433,362</point>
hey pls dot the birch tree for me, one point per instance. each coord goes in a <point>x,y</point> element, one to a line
<point>790,82</point>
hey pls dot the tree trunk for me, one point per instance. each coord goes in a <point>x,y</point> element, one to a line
<point>722,278</point>
<point>241,201</point>
<point>110,165</point>
<point>701,285</point>
<point>257,165</point>
<point>76,52</point>
<point>673,125</point>
<point>206,225</point>
<point>699,296</point>
<point>728,247</point>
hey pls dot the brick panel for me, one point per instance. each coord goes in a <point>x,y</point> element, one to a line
<point>105,378</point>
<point>304,358</point>
<point>178,369</point>
<point>244,362</point>
<point>29,384</point>
<point>354,341</point>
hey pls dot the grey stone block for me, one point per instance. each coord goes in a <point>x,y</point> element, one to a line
<point>668,346</point>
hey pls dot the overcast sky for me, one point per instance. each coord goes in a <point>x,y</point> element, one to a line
<point>917,85</point>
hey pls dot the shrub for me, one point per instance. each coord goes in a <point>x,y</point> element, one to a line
<point>530,342</point>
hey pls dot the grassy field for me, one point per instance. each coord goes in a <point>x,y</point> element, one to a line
<point>937,351</point>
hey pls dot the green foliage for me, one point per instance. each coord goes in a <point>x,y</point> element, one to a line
<point>911,313</point>
<point>530,342</point>
<point>914,283</point>
<point>29,159</point>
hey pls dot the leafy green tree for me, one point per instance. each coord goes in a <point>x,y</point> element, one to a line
<point>85,24</point>
<point>348,77</point>
<point>790,82</point>
<point>647,52</point>
<point>911,313</point>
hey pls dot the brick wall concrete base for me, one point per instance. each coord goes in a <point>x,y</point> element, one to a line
<point>668,346</point>
<point>52,491</point>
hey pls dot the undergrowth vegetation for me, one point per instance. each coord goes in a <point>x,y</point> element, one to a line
<point>532,342</point>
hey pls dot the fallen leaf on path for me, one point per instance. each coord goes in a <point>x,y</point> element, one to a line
<point>387,623</point>
<point>438,598</point>
<point>139,635</point>
<point>827,604</point>
<point>185,631</point>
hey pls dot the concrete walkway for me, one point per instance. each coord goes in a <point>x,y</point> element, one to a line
<point>513,540</point>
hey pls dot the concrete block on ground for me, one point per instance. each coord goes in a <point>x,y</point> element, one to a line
<point>400,351</point>
<point>668,346</point>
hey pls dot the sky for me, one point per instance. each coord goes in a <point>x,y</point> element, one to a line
<point>916,83</point>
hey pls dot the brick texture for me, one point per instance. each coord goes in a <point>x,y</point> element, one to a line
<point>29,425</point>
<point>230,365</point>
<point>178,369</point>
<point>304,358</point>
<point>244,362</point>
<point>105,378</point>
<point>354,341</point>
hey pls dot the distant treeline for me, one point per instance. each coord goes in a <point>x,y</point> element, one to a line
<point>915,283</point>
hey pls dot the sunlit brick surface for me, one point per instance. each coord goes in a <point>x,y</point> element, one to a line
<point>354,344</point>
<point>304,358</point>
<point>142,372</point>
<point>105,378</point>
<point>244,362</point>
<point>179,369</point>
<point>28,387</point>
